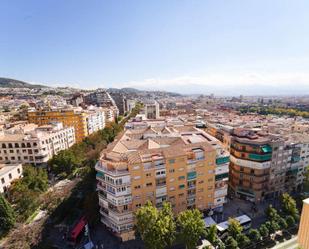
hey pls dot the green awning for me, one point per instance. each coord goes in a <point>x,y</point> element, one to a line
<point>266,149</point>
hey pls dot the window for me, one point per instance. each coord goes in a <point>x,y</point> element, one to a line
<point>171,170</point>
<point>137,187</point>
<point>148,184</point>
<point>11,151</point>
<point>181,186</point>
<point>10,176</point>
<point>171,161</point>
<point>2,180</point>
<point>138,205</point>
<point>252,171</point>
<point>18,171</point>
<point>148,175</point>
<point>181,195</point>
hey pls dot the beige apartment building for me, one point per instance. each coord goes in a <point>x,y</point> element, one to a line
<point>182,165</point>
<point>303,232</point>
<point>28,143</point>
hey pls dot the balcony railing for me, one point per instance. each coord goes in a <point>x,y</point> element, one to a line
<point>222,160</point>
<point>221,176</point>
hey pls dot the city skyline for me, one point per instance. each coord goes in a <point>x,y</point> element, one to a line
<point>249,48</point>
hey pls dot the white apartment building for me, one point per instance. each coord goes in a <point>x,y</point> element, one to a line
<point>31,144</point>
<point>95,120</point>
<point>9,173</point>
<point>152,110</point>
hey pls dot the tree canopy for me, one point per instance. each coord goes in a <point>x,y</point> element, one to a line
<point>7,216</point>
<point>191,227</point>
<point>156,228</point>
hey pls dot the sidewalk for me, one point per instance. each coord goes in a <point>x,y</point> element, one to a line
<point>289,244</point>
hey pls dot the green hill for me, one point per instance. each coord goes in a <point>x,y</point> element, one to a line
<point>11,83</point>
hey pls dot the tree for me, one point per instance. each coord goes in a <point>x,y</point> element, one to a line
<point>191,227</point>
<point>211,234</point>
<point>231,243</point>
<point>264,231</point>
<point>66,161</point>
<point>7,216</point>
<point>272,213</point>
<point>254,235</point>
<point>290,221</point>
<point>282,223</point>
<point>156,228</point>
<point>272,226</point>
<point>234,228</point>
<point>289,205</point>
<point>242,240</point>
<point>35,178</point>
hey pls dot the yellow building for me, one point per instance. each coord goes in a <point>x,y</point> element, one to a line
<point>182,165</point>
<point>68,117</point>
<point>303,232</point>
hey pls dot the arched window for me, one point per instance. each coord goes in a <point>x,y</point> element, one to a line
<point>23,145</point>
<point>3,146</point>
<point>16,145</point>
<point>10,145</point>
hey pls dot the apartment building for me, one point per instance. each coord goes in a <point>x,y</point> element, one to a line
<point>9,173</point>
<point>84,122</point>
<point>151,109</point>
<point>251,156</point>
<point>95,120</point>
<point>179,164</point>
<point>30,144</point>
<point>303,232</point>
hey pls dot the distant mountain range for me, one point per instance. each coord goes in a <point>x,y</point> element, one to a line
<point>11,83</point>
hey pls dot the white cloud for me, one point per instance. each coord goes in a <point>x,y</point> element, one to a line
<point>229,83</point>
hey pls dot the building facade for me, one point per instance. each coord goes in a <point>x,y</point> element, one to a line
<point>68,117</point>
<point>182,165</point>
<point>151,109</point>
<point>85,122</point>
<point>30,144</point>
<point>9,173</point>
<point>303,232</point>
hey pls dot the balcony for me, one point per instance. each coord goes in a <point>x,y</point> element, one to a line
<point>222,169</point>
<point>191,175</point>
<point>161,191</point>
<point>258,157</point>
<point>222,160</point>
<point>220,192</point>
<point>100,176</point>
<point>110,170</point>
<point>250,164</point>
<point>220,177</point>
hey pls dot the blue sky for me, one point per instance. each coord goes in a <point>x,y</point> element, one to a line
<point>226,47</point>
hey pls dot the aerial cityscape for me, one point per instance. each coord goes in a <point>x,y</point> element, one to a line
<point>154,124</point>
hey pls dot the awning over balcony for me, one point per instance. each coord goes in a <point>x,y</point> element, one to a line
<point>266,149</point>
